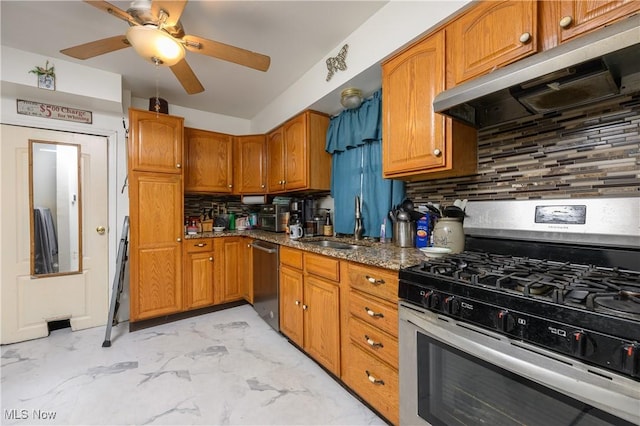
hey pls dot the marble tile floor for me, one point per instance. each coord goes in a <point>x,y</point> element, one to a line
<point>224,368</point>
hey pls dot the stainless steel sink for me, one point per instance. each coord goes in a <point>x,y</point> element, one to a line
<point>333,244</point>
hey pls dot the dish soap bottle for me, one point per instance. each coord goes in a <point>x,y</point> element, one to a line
<point>328,227</point>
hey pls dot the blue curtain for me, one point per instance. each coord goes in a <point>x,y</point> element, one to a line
<point>354,139</point>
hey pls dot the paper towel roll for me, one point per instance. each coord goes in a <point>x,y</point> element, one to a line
<point>254,199</point>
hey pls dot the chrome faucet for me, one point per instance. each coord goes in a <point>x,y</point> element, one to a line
<point>358,230</point>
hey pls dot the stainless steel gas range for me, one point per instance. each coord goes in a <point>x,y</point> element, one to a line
<point>536,322</point>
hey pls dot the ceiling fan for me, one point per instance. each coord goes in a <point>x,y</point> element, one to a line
<point>155,32</point>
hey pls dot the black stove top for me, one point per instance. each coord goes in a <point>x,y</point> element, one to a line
<point>589,311</point>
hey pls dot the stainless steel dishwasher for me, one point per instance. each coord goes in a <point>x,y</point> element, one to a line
<point>265,282</point>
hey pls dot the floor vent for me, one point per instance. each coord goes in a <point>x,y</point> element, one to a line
<point>58,324</point>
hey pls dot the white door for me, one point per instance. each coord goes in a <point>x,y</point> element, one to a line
<point>28,303</point>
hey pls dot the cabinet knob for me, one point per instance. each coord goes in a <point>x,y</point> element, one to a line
<point>230,186</point>
<point>372,342</point>
<point>262,186</point>
<point>305,307</point>
<point>178,239</point>
<point>525,38</point>
<point>211,259</point>
<point>373,313</point>
<point>566,21</point>
<point>373,380</point>
<point>178,166</point>
<point>297,303</point>
<point>437,152</point>
<point>373,280</point>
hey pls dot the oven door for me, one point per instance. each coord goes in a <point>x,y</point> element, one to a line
<point>453,373</point>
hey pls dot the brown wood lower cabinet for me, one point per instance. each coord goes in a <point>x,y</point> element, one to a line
<point>198,273</point>
<point>370,336</point>
<point>310,305</point>
<point>229,268</point>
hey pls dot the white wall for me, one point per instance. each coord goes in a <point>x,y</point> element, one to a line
<point>392,27</point>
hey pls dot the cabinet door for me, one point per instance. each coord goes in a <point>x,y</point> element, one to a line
<point>251,165</point>
<point>322,322</point>
<point>491,35</point>
<point>275,161</point>
<point>579,17</point>
<point>413,135</point>
<point>295,153</point>
<point>209,161</point>
<point>155,142</point>
<point>198,279</point>
<point>228,252</point>
<point>290,300</point>
<point>156,236</point>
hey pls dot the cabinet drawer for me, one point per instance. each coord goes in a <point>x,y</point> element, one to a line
<point>379,282</point>
<point>198,245</point>
<point>322,266</point>
<point>291,257</point>
<point>373,380</point>
<point>375,312</point>
<point>374,341</point>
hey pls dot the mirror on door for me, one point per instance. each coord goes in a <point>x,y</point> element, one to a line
<point>55,206</point>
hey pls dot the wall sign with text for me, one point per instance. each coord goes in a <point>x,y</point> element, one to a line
<point>57,112</point>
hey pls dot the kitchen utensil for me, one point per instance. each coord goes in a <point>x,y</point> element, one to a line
<point>358,228</point>
<point>448,232</point>
<point>407,205</point>
<point>404,233</point>
<point>218,228</point>
<point>435,252</point>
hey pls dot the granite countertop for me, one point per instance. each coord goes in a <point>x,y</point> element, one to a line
<point>369,252</point>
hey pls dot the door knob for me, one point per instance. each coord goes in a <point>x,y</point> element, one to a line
<point>100,230</point>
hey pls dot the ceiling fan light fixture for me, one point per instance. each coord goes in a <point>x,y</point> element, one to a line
<point>351,98</point>
<point>152,43</point>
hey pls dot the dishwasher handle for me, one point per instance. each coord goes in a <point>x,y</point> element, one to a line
<point>268,250</point>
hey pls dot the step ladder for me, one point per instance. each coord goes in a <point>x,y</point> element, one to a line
<point>118,281</point>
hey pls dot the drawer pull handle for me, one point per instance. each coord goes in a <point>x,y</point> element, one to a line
<point>373,379</point>
<point>201,245</point>
<point>372,342</point>
<point>372,280</point>
<point>373,314</point>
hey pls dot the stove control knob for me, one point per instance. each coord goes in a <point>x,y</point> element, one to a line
<point>452,305</point>
<point>434,302</point>
<point>506,322</point>
<point>630,358</point>
<point>581,344</point>
<point>426,299</point>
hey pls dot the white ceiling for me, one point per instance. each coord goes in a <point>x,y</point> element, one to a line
<point>295,34</point>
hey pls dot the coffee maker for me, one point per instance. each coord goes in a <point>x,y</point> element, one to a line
<point>301,210</point>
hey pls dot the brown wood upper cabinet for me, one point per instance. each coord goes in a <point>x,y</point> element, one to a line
<point>155,142</point>
<point>209,165</point>
<point>295,154</point>
<point>417,143</point>
<point>250,164</point>
<point>491,35</point>
<point>579,17</point>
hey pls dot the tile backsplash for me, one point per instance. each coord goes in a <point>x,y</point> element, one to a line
<point>589,152</point>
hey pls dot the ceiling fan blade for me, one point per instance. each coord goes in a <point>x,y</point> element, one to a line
<point>173,8</point>
<point>227,52</point>
<point>97,48</point>
<point>187,78</point>
<point>112,10</point>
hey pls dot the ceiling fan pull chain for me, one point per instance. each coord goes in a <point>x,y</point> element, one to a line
<point>157,105</point>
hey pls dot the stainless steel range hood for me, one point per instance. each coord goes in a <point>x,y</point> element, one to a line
<point>582,71</point>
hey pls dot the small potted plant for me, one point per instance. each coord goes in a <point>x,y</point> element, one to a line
<point>46,77</point>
